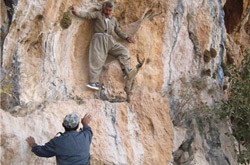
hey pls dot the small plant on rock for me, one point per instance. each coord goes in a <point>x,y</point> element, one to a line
<point>237,107</point>
<point>207,56</point>
<point>213,52</point>
<point>66,20</point>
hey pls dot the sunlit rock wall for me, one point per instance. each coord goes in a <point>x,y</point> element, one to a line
<point>165,119</point>
<point>197,51</point>
<point>45,75</point>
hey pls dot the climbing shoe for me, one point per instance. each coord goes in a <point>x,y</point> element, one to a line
<point>124,74</point>
<point>94,86</point>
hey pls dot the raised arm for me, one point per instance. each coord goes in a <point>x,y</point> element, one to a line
<point>86,129</point>
<point>87,15</point>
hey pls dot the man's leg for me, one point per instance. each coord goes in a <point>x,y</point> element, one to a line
<point>123,55</point>
<point>97,58</point>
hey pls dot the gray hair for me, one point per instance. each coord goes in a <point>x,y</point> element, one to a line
<point>71,120</point>
<point>108,4</point>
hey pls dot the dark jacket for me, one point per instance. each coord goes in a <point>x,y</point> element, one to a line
<point>71,147</point>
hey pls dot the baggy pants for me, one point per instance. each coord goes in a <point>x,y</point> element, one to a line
<point>101,46</point>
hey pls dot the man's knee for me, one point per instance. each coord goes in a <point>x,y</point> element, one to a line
<point>125,53</point>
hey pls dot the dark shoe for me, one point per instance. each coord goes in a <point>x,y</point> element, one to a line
<point>124,74</point>
<point>94,86</point>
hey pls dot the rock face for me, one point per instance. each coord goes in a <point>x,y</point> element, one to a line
<point>165,119</point>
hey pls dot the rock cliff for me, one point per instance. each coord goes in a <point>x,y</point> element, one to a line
<point>167,116</point>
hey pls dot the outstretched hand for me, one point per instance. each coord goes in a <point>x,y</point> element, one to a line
<point>130,40</point>
<point>74,10</point>
<point>31,141</point>
<point>86,119</point>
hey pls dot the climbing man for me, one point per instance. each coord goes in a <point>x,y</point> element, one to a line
<point>71,147</point>
<point>103,43</point>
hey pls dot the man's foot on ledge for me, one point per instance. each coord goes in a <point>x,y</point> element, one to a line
<point>124,74</point>
<point>94,86</point>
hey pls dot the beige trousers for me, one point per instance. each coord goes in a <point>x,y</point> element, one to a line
<point>101,46</point>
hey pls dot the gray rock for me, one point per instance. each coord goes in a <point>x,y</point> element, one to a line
<point>184,157</point>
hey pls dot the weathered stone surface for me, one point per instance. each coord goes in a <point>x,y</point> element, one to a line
<point>233,52</point>
<point>240,25</point>
<point>198,26</point>
<point>120,137</point>
<point>184,157</point>
<point>49,66</point>
<point>177,155</point>
<point>167,109</point>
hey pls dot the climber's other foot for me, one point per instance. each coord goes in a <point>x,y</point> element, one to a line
<point>94,86</point>
<point>124,74</point>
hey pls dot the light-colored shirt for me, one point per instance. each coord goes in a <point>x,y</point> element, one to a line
<point>107,22</point>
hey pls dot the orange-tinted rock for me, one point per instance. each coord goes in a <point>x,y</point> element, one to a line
<point>49,69</point>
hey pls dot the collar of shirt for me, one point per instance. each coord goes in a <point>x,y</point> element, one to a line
<point>105,17</point>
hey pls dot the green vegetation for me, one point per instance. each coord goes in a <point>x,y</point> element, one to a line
<point>237,107</point>
<point>19,13</point>
<point>229,58</point>
<point>6,91</point>
<point>198,83</point>
<point>6,85</point>
<point>211,91</point>
<point>39,17</point>
<point>209,54</point>
<point>206,72</point>
<point>189,17</point>
<point>6,88</point>
<point>66,20</point>
<point>213,52</point>
<point>225,69</point>
<point>214,75</point>
<point>206,56</point>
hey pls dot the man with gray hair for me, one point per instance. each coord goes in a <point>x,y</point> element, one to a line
<point>71,147</point>
<point>103,43</point>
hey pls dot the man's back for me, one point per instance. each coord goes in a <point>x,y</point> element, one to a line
<point>71,147</point>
